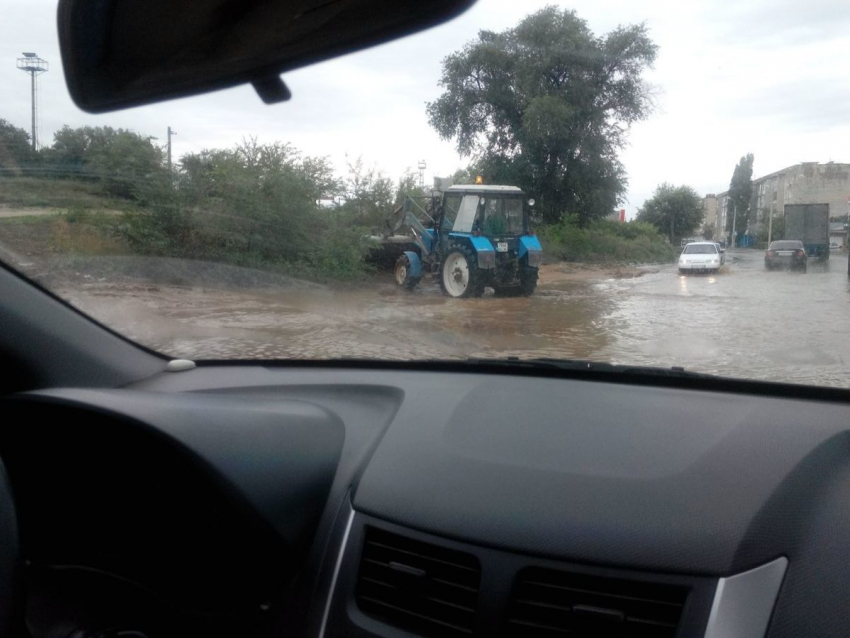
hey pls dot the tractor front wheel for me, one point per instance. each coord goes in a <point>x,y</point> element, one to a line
<point>459,273</point>
<point>402,274</point>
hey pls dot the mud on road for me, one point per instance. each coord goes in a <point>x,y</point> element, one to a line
<point>741,322</point>
<point>374,320</point>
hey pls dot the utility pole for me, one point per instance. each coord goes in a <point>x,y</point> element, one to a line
<point>35,66</point>
<point>770,226</point>
<point>170,133</point>
<point>734,222</point>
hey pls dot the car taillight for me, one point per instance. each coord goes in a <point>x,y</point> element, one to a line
<point>800,253</point>
<point>770,253</point>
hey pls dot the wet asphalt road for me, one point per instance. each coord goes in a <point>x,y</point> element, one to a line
<point>741,322</point>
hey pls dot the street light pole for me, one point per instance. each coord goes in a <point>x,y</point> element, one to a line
<point>770,227</point>
<point>170,134</point>
<point>734,222</point>
<point>35,66</point>
<point>32,100</point>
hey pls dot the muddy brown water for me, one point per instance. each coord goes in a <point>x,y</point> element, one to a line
<point>741,322</point>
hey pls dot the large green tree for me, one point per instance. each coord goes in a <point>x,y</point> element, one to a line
<point>547,105</point>
<point>122,160</point>
<point>740,193</point>
<point>674,210</point>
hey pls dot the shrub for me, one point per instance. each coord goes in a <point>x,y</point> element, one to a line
<point>605,241</point>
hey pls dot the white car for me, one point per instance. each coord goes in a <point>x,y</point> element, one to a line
<point>701,256</point>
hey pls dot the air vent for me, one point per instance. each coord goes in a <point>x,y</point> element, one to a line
<point>547,603</point>
<point>422,588</point>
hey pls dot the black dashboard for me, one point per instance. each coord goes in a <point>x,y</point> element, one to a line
<point>252,500</point>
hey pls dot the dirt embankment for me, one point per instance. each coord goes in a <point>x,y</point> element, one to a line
<point>8,211</point>
<point>551,274</point>
<point>70,271</point>
<point>18,211</point>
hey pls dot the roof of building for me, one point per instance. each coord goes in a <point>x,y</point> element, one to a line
<point>793,166</point>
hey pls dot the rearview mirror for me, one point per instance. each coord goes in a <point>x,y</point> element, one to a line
<point>121,53</point>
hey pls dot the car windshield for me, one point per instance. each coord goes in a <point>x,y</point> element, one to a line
<point>700,249</point>
<point>523,181</point>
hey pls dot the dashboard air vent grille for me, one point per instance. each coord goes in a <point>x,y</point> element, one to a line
<point>547,603</point>
<point>419,587</point>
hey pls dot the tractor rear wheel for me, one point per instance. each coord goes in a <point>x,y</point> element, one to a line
<point>526,286</point>
<point>459,273</point>
<point>527,280</point>
<point>402,274</point>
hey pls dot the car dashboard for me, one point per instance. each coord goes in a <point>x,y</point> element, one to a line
<point>346,502</point>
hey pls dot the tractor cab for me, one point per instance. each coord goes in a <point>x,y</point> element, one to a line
<point>486,210</point>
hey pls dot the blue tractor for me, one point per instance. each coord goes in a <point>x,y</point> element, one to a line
<point>469,237</point>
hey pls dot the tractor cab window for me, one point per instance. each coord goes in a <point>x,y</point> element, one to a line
<point>502,216</point>
<point>451,205</point>
<point>466,214</point>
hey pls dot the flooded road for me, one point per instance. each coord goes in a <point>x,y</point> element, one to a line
<point>742,322</point>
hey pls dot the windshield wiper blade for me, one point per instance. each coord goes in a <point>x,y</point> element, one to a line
<point>591,366</point>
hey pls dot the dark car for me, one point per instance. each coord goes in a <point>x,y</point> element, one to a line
<point>788,253</point>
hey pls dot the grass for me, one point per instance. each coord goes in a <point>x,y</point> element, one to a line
<point>27,220</point>
<point>32,192</point>
<point>76,232</point>
<point>90,237</point>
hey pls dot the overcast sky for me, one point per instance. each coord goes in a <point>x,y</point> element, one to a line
<point>767,77</point>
